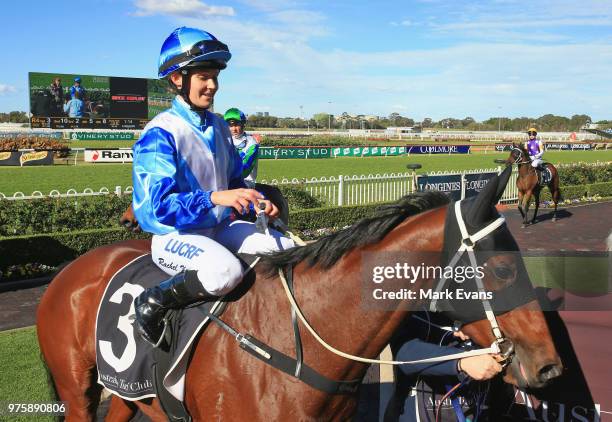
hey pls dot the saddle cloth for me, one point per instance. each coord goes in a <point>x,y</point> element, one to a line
<point>544,176</point>
<point>124,360</point>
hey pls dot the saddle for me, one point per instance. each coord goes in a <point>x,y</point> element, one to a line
<point>544,174</point>
<point>130,367</point>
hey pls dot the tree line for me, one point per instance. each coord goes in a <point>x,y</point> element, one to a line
<point>14,117</point>
<point>545,123</point>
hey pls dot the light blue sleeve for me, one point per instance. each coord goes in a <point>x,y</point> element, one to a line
<point>157,201</point>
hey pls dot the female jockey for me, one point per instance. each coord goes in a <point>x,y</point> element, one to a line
<point>187,178</point>
<point>247,146</point>
<point>535,148</point>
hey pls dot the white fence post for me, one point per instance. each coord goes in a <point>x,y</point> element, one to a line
<point>118,190</point>
<point>340,190</point>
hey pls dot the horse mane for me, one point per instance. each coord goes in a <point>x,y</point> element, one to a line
<point>326,251</point>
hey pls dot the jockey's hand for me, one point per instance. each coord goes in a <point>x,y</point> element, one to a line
<point>239,199</point>
<point>481,367</point>
<point>461,335</point>
<point>271,210</point>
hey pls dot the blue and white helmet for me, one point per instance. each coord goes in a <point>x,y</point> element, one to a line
<point>190,47</point>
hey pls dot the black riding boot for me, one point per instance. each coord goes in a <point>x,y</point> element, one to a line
<point>152,305</point>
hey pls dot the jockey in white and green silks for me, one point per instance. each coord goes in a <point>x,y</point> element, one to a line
<point>247,145</point>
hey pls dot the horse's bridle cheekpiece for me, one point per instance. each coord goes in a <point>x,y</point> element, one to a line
<point>468,242</point>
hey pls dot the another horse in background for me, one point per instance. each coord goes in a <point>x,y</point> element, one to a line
<point>528,183</point>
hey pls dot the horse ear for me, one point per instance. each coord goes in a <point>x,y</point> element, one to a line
<point>481,209</point>
<point>502,182</point>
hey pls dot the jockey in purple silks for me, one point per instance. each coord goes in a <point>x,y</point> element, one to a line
<point>535,148</point>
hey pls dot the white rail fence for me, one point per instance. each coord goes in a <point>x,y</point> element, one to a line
<point>331,191</point>
<point>70,193</point>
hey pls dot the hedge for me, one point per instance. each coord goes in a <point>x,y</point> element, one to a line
<point>54,248</point>
<point>57,215</point>
<point>603,189</point>
<point>582,174</point>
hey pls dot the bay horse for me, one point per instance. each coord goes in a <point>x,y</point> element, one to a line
<point>225,383</point>
<point>528,184</point>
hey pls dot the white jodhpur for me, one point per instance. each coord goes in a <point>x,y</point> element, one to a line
<point>211,253</point>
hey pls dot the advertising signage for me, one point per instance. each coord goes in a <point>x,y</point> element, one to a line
<point>438,149</point>
<point>71,101</point>
<point>475,182</point>
<point>450,184</point>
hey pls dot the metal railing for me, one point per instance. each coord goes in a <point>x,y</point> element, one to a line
<point>70,193</point>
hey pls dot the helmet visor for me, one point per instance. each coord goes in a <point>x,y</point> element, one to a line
<point>203,50</point>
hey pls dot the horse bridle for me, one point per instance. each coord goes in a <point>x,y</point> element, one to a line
<point>520,156</point>
<point>501,345</point>
<point>468,242</point>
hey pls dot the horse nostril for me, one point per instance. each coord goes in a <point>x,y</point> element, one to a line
<point>548,372</point>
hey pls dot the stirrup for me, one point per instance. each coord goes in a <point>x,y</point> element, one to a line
<point>162,336</point>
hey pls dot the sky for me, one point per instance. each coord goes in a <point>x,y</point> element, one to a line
<point>419,58</point>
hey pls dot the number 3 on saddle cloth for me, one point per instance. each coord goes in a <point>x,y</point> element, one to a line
<point>127,365</point>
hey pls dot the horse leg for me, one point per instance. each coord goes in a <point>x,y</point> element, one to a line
<point>70,360</point>
<point>520,203</point>
<point>526,200</point>
<point>120,410</point>
<point>536,197</point>
<point>78,388</point>
<point>556,194</point>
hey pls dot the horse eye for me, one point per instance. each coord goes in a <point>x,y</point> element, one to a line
<point>503,272</point>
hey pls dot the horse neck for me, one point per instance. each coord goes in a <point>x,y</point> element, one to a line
<point>334,305</point>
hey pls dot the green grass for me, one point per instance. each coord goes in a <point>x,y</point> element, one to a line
<point>64,177</point>
<point>100,144</point>
<point>22,374</point>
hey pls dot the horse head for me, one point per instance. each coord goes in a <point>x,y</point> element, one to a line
<point>534,361</point>
<point>518,154</point>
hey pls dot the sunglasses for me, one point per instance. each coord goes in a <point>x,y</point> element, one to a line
<point>532,133</point>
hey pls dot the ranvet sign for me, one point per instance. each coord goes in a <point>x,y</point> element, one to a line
<point>438,149</point>
<point>108,155</point>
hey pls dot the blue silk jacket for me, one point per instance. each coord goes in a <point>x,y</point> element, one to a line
<point>180,159</point>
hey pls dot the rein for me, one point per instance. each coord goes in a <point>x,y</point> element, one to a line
<point>501,345</point>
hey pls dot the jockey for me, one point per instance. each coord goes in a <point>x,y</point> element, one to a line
<point>535,148</point>
<point>247,146</point>
<point>187,178</point>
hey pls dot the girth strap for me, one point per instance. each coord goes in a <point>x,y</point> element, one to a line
<point>287,364</point>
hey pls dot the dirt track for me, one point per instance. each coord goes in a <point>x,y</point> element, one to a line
<point>580,228</point>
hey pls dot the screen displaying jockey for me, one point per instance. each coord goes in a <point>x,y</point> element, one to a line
<point>535,148</point>
<point>187,177</point>
<point>76,87</point>
<point>247,145</point>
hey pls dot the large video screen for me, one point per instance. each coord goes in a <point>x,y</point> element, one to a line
<point>73,101</point>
